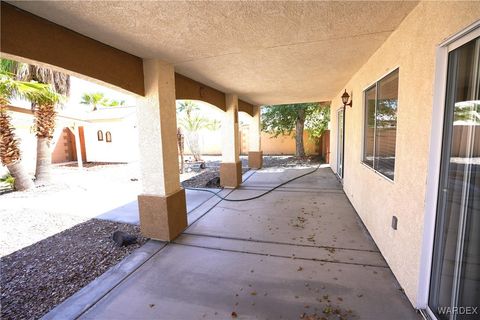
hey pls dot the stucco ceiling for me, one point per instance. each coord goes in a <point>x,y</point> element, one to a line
<point>266,52</point>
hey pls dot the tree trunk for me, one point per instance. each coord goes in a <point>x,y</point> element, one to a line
<point>22,180</point>
<point>194,145</point>
<point>44,161</point>
<point>300,124</point>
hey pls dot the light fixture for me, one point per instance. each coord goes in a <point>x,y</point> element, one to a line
<point>345,97</point>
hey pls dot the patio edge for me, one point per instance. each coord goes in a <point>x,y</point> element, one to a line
<point>85,298</point>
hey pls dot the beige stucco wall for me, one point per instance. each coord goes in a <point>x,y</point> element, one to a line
<point>211,143</point>
<point>124,145</point>
<point>285,144</point>
<point>412,48</point>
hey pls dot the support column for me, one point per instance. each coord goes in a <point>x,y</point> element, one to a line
<point>231,166</point>
<point>255,153</point>
<point>162,205</point>
<point>78,146</point>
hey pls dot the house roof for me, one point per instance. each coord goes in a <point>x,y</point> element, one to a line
<point>266,52</point>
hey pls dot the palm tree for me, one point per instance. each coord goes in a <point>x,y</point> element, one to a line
<point>94,100</point>
<point>45,116</point>
<point>43,108</point>
<point>10,155</point>
<point>191,122</point>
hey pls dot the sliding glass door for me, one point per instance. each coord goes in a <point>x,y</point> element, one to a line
<point>455,279</point>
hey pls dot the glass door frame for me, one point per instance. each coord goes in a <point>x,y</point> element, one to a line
<point>341,111</point>
<point>434,164</point>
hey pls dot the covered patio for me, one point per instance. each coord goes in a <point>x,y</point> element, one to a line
<point>300,251</point>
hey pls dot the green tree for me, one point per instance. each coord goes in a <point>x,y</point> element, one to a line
<point>285,118</point>
<point>190,120</point>
<point>10,154</point>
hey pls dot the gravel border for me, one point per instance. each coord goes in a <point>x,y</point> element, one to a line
<point>37,278</point>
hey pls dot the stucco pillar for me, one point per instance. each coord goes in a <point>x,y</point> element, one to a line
<point>255,154</point>
<point>78,146</point>
<point>231,167</point>
<point>162,205</point>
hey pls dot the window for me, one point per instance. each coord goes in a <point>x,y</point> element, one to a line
<point>100,135</point>
<point>381,104</point>
<point>108,136</point>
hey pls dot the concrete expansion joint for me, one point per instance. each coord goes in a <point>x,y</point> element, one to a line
<point>279,242</point>
<point>280,256</point>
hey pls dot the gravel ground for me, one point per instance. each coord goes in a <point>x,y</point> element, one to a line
<point>39,277</point>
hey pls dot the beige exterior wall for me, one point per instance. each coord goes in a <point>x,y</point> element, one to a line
<point>411,48</point>
<point>124,145</point>
<point>286,144</point>
<point>211,143</point>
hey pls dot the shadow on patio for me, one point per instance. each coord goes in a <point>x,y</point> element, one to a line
<point>298,252</point>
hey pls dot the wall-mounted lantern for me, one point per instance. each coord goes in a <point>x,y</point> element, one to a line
<point>345,97</point>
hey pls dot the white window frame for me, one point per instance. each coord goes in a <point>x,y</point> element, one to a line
<point>434,162</point>
<point>364,91</point>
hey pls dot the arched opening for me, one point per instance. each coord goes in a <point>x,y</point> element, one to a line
<point>100,135</point>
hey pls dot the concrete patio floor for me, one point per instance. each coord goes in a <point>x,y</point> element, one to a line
<point>297,251</point>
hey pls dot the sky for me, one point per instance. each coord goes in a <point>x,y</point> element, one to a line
<point>78,87</point>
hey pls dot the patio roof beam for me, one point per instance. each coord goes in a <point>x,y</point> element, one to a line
<point>29,38</point>
<point>189,89</point>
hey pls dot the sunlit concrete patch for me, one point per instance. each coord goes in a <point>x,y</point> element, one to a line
<point>183,282</point>
<point>322,178</point>
<point>128,213</point>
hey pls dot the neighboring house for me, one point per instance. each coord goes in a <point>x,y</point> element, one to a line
<point>105,135</point>
<point>111,135</point>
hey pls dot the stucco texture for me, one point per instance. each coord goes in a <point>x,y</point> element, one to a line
<point>266,52</point>
<point>411,48</point>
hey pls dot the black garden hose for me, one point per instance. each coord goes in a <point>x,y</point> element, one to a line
<point>257,196</point>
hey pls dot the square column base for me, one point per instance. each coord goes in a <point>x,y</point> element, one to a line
<point>255,159</point>
<point>230,174</point>
<point>163,217</point>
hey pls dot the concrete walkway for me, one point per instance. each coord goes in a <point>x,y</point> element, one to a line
<point>298,251</point>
